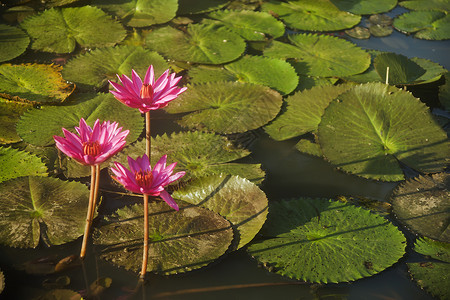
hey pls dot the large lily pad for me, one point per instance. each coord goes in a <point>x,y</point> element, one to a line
<point>13,42</point>
<point>423,204</point>
<point>179,241</point>
<point>199,6</point>
<point>444,92</point>
<point>319,240</point>
<point>432,275</point>
<point>321,55</point>
<point>303,112</point>
<point>314,15</point>
<point>33,83</point>
<point>251,25</point>
<point>10,112</point>
<point>428,25</point>
<point>15,163</point>
<point>90,107</point>
<point>253,69</point>
<point>442,5</point>
<point>206,44</point>
<point>199,154</point>
<point>60,29</point>
<point>34,208</point>
<point>140,13</point>
<point>236,199</point>
<point>227,107</point>
<point>90,69</point>
<point>370,130</point>
<point>365,7</point>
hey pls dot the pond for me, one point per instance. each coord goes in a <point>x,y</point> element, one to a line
<point>335,225</point>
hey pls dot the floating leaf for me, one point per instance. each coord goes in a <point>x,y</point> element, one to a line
<point>321,55</point>
<point>179,241</point>
<point>236,199</point>
<point>444,92</point>
<point>13,42</point>
<point>401,69</point>
<point>10,112</point>
<point>15,163</point>
<point>358,32</point>
<point>307,82</point>
<point>253,69</point>
<point>33,83</point>
<point>311,15</point>
<point>251,25</point>
<point>303,112</point>
<point>60,294</point>
<point>199,6</point>
<point>199,154</point>
<point>432,275</point>
<point>205,44</point>
<point>442,5</point>
<point>380,30</point>
<point>423,204</point>
<point>370,130</point>
<point>41,207</point>
<point>319,240</point>
<point>60,29</point>
<point>428,25</point>
<point>55,3</point>
<point>308,147</point>
<point>365,7</point>
<point>90,69</point>
<point>90,107</point>
<point>226,107</point>
<point>140,13</point>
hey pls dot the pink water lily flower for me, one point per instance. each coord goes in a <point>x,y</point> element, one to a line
<point>147,95</point>
<point>142,179</point>
<point>92,146</point>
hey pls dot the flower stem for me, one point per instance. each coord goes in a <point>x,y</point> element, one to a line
<point>89,212</point>
<point>148,136</point>
<point>145,253</point>
<point>97,180</point>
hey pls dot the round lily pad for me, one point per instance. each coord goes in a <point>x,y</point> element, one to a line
<point>199,6</point>
<point>251,25</point>
<point>140,13</point>
<point>311,15</point>
<point>179,241</point>
<point>90,107</point>
<point>369,130</point>
<point>321,55</point>
<point>365,7</point>
<point>236,199</point>
<point>89,69</point>
<point>442,5</point>
<point>13,42</point>
<point>319,240</point>
<point>10,112</point>
<point>253,69</point>
<point>432,274</point>
<point>198,154</point>
<point>33,83</point>
<point>303,112</point>
<point>226,107</point>
<point>34,208</point>
<point>423,204</point>
<point>15,163</point>
<point>428,25</point>
<point>200,43</point>
<point>380,30</point>
<point>60,29</point>
<point>358,32</point>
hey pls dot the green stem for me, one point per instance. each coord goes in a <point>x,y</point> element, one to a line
<point>145,252</point>
<point>89,213</point>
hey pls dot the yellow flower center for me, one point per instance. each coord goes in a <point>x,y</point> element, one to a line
<point>144,179</point>
<point>146,91</point>
<point>91,148</point>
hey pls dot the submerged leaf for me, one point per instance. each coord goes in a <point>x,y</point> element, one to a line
<point>13,42</point>
<point>15,163</point>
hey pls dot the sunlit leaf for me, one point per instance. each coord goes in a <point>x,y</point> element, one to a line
<point>428,25</point>
<point>308,147</point>
<point>401,69</point>
<point>10,112</point>
<point>13,42</point>
<point>15,163</point>
<point>365,7</point>
<point>442,5</point>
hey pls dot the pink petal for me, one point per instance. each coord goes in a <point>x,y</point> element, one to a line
<point>137,82</point>
<point>169,200</point>
<point>149,76</point>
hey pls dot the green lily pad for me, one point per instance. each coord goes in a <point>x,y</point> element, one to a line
<point>10,112</point>
<point>444,92</point>
<point>358,32</point>
<point>90,69</point>
<point>60,29</point>
<point>380,30</point>
<point>201,43</point>
<point>309,147</point>
<point>311,15</point>
<point>369,130</point>
<point>432,275</point>
<point>56,3</point>
<point>140,13</point>
<point>226,107</point>
<point>307,82</point>
<point>365,7</point>
<point>236,199</point>
<point>33,83</point>
<point>442,5</point>
<point>13,42</point>
<point>90,107</point>
<point>15,163</point>
<point>199,6</point>
<point>179,241</point>
<point>321,55</point>
<point>319,240</point>
<point>423,204</point>
<point>303,112</point>
<point>251,25</point>
<point>199,154</point>
<point>34,208</point>
<point>253,69</point>
<point>428,25</point>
